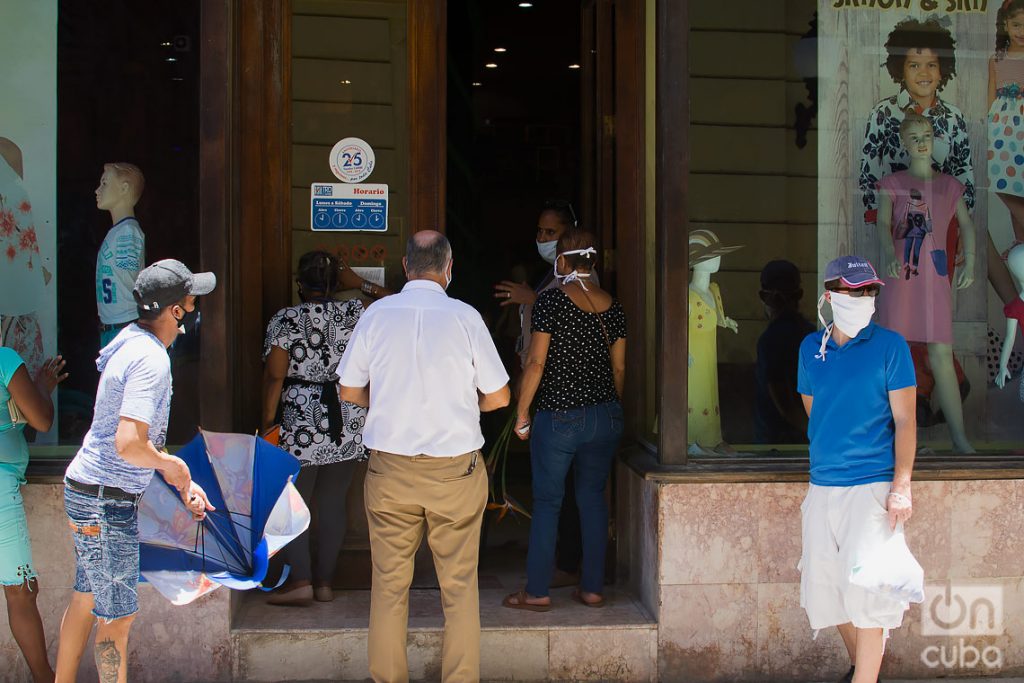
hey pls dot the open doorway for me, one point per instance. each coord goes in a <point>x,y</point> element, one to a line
<point>516,144</point>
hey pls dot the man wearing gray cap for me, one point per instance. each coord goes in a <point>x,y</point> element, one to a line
<point>122,449</point>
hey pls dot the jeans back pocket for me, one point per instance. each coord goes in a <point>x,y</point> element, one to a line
<point>568,422</point>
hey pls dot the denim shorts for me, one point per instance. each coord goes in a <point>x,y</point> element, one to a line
<point>106,534</point>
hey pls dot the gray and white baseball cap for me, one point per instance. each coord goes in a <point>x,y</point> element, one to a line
<point>167,282</point>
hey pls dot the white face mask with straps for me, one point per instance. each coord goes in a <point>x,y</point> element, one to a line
<point>575,275</point>
<point>851,314</point>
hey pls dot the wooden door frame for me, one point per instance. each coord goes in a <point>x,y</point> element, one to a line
<point>672,250</point>
<point>245,182</point>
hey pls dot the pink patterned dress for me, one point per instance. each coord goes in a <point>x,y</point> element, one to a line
<point>918,303</point>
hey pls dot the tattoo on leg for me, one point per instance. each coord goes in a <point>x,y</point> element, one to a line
<point>108,661</point>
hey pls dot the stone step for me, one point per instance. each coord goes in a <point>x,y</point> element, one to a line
<point>327,641</point>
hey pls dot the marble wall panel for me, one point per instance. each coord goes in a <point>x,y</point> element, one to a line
<point>708,633</point>
<point>602,655</point>
<point>987,518</point>
<point>709,533</point>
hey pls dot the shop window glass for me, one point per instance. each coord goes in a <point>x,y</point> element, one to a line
<point>806,118</point>
<point>90,85</point>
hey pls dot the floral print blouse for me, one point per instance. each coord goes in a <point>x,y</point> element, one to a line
<point>882,153</point>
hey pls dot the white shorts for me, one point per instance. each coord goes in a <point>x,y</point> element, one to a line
<point>841,524</point>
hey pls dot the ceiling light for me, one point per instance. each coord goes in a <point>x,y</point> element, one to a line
<point>477,84</point>
<point>524,5</point>
<point>491,65</point>
<point>170,59</point>
<point>165,44</point>
<point>574,66</point>
<point>346,82</point>
<point>500,49</point>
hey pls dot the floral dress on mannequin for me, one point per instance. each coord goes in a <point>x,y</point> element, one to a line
<point>22,282</point>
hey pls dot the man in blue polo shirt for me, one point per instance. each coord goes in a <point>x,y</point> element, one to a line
<point>857,384</point>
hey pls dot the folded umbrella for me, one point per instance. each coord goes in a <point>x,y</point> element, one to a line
<point>258,511</point>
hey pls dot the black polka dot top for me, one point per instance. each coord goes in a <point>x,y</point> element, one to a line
<point>578,369</point>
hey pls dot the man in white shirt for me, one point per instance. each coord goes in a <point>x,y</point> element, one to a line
<point>123,252</point>
<point>433,368</point>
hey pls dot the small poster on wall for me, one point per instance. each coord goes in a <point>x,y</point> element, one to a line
<point>341,207</point>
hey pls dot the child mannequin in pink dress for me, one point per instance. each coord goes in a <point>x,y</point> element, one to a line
<point>916,207</point>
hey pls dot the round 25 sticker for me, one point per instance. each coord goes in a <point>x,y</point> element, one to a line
<point>352,160</point>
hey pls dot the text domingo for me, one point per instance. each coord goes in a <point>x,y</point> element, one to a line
<point>949,6</point>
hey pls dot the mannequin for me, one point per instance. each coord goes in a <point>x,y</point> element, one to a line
<point>1014,312</point>
<point>916,207</point>
<point>123,252</point>
<point>706,315</point>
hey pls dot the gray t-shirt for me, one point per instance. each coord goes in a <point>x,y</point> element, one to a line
<point>135,382</point>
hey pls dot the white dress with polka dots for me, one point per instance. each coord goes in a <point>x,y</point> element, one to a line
<point>1006,129</point>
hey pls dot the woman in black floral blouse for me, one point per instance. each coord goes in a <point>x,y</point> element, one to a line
<point>302,348</point>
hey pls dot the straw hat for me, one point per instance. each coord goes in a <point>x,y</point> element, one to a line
<point>705,245</point>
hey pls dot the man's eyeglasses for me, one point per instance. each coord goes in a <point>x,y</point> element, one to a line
<point>870,290</point>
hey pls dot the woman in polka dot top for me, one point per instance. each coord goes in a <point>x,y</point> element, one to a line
<point>575,370</point>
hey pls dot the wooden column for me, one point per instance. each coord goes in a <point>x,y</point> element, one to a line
<point>673,132</point>
<point>215,212</point>
<point>427,113</point>
<point>629,190</point>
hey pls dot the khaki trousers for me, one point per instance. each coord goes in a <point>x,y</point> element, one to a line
<point>405,497</point>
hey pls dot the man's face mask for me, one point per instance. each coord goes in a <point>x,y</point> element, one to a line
<point>189,320</point>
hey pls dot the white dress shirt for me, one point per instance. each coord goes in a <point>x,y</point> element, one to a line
<point>425,356</point>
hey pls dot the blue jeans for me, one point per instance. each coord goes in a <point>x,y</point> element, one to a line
<point>584,439</point>
<point>106,535</point>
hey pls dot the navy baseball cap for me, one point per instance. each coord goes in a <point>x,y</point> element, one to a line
<point>852,271</point>
<point>167,282</point>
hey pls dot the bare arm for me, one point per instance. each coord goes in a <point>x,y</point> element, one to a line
<point>532,374</point>
<point>903,403</point>
<point>618,356</point>
<point>495,399</point>
<point>1004,356</point>
<point>274,372</point>
<point>889,264</point>
<point>969,242</point>
<point>808,401</point>
<point>32,399</point>
<point>991,81</point>
<point>357,395</point>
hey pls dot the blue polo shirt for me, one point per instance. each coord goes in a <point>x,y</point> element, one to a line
<point>851,427</point>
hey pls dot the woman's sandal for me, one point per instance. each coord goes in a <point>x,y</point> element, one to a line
<point>521,603</point>
<point>577,595</point>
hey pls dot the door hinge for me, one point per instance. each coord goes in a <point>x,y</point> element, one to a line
<point>609,125</point>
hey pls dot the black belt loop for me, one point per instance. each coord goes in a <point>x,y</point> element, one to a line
<point>101,491</point>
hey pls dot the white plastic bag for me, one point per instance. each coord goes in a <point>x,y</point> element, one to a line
<point>890,570</point>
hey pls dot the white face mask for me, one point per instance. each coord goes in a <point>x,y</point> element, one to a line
<point>574,276</point>
<point>548,250</point>
<point>849,314</point>
<point>448,275</point>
